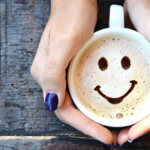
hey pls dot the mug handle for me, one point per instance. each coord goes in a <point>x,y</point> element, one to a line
<point>116,16</point>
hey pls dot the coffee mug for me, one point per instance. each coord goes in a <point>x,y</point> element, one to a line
<point>114,86</point>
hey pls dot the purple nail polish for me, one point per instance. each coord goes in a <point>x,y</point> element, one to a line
<point>130,141</point>
<point>51,101</point>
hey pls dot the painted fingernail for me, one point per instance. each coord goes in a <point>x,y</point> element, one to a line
<point>51,101</point>
<point>130,141</point>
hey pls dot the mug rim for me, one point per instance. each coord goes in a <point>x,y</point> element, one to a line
<point>131,34</point>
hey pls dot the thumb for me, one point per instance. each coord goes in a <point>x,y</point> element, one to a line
<point>53,79</point>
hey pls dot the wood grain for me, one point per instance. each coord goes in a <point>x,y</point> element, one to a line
<point>22,111</point>
<point>64,143</point>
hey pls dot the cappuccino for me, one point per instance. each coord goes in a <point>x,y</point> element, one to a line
<point>112,78</point>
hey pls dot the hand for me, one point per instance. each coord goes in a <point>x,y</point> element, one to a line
<point>139,13</point>
<point>71,24</point>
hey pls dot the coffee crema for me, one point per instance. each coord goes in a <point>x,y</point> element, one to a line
<point>112,78</point>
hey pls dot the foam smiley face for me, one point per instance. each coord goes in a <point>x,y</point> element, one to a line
<point>103,65</point>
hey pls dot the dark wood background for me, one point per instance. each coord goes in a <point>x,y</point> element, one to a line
<point>24,122</point>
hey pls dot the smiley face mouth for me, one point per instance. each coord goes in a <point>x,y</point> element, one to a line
<point>119,99</point>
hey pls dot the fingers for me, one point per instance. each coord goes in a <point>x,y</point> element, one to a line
<point>55,51</point>
<point>115,139</point>
<point>70,115</point>
<point>49,66</point>
<point>60,53</point>
<point>123,136</point>
<point>137,130</point>
<point>66,32</point>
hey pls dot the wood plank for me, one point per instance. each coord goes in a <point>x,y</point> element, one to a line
<point>50,143</point>
<point>64,143</point>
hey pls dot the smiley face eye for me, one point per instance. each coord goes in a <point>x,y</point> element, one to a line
<point>125,62</point>
<point>102,63</point>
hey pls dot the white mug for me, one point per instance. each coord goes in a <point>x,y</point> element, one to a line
<point>116,27</point>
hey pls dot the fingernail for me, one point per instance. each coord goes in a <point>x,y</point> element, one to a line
<point>51,101</point>
<point>130,141</point>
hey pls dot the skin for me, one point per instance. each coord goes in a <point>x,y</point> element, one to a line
<point>139,14</point>
<point>70,25</point>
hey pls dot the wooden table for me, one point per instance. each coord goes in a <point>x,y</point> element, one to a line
<point>24,122</point>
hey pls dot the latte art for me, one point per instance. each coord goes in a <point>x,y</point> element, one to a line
<point>119,99</point>
<point>112,78</point>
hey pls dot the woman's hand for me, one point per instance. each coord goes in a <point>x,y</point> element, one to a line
<point>139,13</point>
<point>70,25</point>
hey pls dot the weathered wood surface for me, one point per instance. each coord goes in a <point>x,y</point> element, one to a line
<point>64,143</point>
<point>22,110</point>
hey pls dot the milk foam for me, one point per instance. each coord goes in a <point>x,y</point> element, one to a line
<point>115,80</point>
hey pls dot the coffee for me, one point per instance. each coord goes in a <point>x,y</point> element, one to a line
<point>112,78</point>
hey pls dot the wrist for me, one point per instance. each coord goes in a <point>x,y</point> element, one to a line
<point>64,5</point>
<point>72,21</point>
<point>70,16</point>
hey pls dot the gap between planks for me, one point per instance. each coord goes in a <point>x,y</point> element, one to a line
<point>36,137</point>
<point>26,137</point>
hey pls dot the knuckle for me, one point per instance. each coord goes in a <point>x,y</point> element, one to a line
<point>51,76</point>
<point>53,71</point>
<point>52,81</point>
